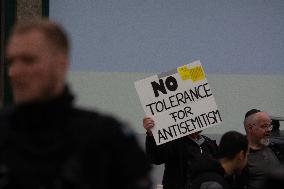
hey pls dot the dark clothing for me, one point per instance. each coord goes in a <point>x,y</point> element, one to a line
<point>54,145</point>
<point>278,148</point>
<point>275,179</point>
<point>260,164</point>
<point>208,174</point>
<point>176,155</point>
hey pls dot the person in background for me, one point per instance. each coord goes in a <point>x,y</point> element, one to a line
<point>47,142</point>
<point>263,156</point>
<point>178,155</point>
<point>232,158</point>
<point>276,139</point>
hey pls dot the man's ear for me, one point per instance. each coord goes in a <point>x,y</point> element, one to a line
<point>61,66</point>
<point>63,63</point>
<point>250,127</point>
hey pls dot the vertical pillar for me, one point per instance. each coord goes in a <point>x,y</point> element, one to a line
<point>11,11</point>
<point>26,9</point>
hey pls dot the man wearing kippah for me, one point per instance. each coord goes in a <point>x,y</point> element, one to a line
<point>263,157</point>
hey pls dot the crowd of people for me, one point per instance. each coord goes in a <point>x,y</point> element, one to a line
<point>248,161</point>
<point>46,142</point>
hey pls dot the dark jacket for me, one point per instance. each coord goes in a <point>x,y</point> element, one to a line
<point>176,155</point>
<point>259,166</point>
<point>55,145</point>
<point>278,149</point>
<point>208,174</point>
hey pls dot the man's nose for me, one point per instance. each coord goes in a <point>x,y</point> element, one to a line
<point>268,129</point>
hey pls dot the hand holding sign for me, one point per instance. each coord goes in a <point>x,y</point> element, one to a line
<point>148,124</point>
<point>180,103</point>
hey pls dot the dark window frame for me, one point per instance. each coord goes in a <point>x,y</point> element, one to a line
<point>8,17</point>
<point>8,13</point>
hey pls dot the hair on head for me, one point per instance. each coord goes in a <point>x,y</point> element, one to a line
<point>251,112</point>
<point>232,143</point>
<point>52,31</point>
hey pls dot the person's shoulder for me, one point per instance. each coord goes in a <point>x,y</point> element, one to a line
<point>111,141</point>
<point>100,124</point>
<point>5,125</point>
<point>6,111</point>
<point>93,117</point>
<point>211,185</point>
<point>278,150</point>
<point>208,138</point>
<point>208,180</point>
<point>209,141</point>
<point>275,144</point>
<point>6,114</point>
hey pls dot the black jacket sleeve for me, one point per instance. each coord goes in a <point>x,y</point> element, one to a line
<point>158,154</point>
<point>153,151</point>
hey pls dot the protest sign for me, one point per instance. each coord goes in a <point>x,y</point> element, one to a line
<point>180,102</point>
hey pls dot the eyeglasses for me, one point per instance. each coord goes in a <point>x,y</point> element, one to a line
<point>265,126</point>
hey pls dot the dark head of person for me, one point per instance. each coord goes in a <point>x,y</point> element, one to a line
<point>231,144</point>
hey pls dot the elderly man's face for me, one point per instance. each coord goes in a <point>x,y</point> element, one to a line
<point>35,69</point>
<point>262,127</point>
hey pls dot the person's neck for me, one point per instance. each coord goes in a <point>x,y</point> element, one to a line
<point>55,93</point>
<point>227,165</point>
<point>255,145</point>
<point>194,137</point>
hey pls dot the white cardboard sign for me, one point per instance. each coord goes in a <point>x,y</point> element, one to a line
<point>180,102</point>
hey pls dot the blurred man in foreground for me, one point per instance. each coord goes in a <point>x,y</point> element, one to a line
<point>46,142</point>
